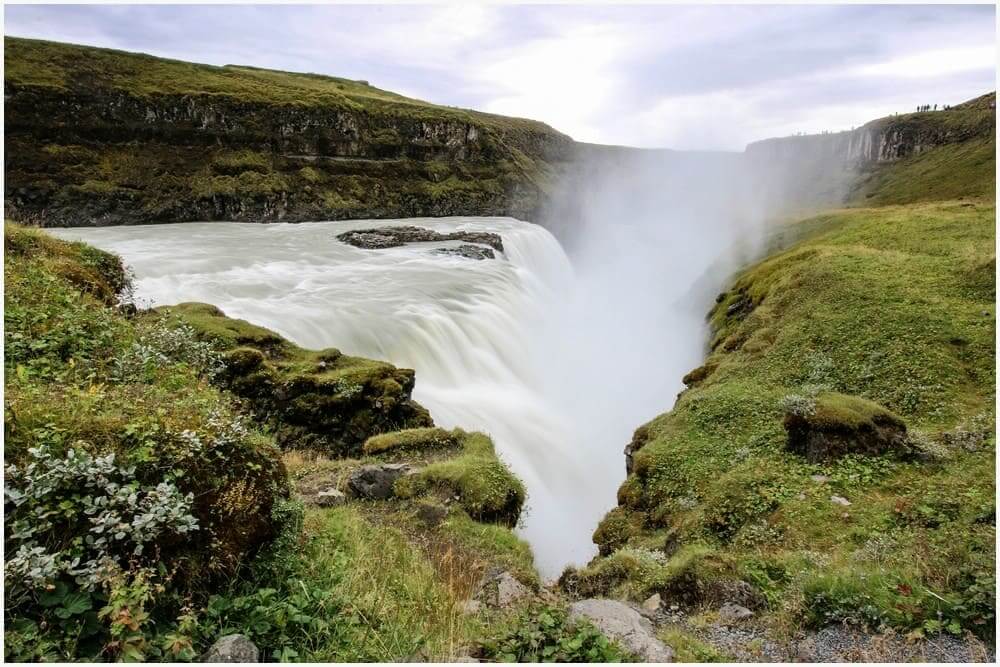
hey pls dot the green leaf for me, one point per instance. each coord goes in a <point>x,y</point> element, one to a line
<point>74,604</point>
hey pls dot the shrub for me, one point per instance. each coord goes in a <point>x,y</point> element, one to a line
<point>543,634</point>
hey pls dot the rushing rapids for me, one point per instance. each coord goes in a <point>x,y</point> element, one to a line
<point>479,334</point>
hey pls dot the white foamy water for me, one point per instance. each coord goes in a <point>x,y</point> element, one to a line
<point>488,339</point>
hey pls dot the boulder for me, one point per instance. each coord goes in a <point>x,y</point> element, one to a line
<point>730,614</point>
<point>619,622</point>
<point>431,514</point>
<point>330,498</point>
<point>833,425</point>
<point>734,591</point>
<point>374,482</point>
<point>232,648</point>
<point>501,589</point>
<point>652,603</point>
<point>472,607</point>
<point>840,500</point>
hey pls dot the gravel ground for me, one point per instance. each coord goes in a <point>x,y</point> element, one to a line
<point>838,643</point>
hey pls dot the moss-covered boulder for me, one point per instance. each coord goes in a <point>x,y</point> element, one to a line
<point>321,400</point>
<point>832,425</point>
<point>484,486</point>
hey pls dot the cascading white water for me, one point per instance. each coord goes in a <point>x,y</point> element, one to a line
<point>471,329</point>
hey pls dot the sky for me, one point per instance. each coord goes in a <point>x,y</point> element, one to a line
<point>670,76</point>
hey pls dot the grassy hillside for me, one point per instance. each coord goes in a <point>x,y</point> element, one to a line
<point>96,136</point>
<point>782,465</point>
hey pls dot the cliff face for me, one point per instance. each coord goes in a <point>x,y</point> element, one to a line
<point>104,137</point>
<point>887,139</point>
<point>833,169</point>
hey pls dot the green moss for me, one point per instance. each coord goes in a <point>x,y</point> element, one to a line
<point>835,410</point>
<point>313,399</point>
<point>411,439</point>
<point>636,573</point>
<point>618,526</point>
<point>485,487</point>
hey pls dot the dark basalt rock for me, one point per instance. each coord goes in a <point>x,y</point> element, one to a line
<point>393,237</point>
<point>375,482</point>
<point>468,251</point>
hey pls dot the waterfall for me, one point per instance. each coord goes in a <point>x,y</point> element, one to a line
<point>479,334</point>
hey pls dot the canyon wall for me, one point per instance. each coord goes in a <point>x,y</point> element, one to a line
<point>95,136</point>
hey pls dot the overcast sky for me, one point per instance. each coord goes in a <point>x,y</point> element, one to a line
<point>711,77</point>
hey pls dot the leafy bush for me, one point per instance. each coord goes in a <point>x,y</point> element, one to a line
<point>544,634</point>
<point>877,600</point>
<point>102,514</point>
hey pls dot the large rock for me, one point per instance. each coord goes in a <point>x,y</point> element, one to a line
<point>232,648</point>
<point>624,625</point>
<point>501,589</point>
<point>832,425</point>
<point>330,498</point>
<point>391,237</point>
<point>731,614</point>
<point>374,482</point>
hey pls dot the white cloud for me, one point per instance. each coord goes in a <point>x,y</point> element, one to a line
<point>933,63</point>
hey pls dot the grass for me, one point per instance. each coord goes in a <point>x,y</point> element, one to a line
<point>397,595</point>
<point>953,171</point>
<point>893,310</point>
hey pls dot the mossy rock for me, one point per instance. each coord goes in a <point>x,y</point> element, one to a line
<point>322,400</point>
<point>839,424</point>
<point>616,528</point>
<point>413,439</point>
<point>636,573</point>
<point>698,375</point>
<point>484,486</point>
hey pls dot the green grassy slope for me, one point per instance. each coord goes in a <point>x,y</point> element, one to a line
<point>953,171</point>
<point>96,136</point>
<point>894,305</point>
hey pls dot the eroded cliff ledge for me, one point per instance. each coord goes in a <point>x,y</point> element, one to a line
<point>96,136</point>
